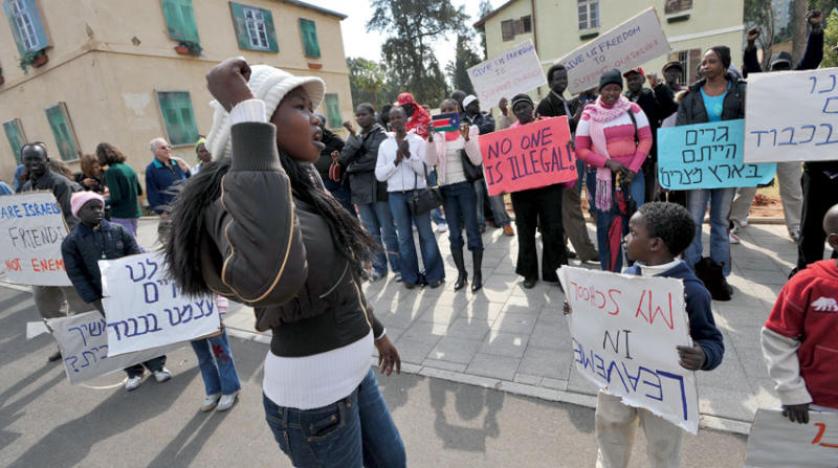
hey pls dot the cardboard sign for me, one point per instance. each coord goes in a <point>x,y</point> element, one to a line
<point>792,116</point>
<point>625,330</point>
<point>31,231</point>
<point>518,70</point>
<point>145,309</point>
<point>776,442</point>
<point>631,44</point>
<point>529,156</point>
<point>84,347</point>
<point>707,156</point>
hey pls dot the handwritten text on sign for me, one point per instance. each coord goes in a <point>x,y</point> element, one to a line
<point>517,70</point>
<point>625,330</point>
<point>630,44</point>
<point>792,116</point>
<point>83,341</point>
<point>31,231</point>
<point>145,309</point>
<point>776,442</point>
<point>707,156</point>
<point>530,156</point>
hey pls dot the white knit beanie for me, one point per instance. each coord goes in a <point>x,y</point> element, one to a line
<point>269,84</point>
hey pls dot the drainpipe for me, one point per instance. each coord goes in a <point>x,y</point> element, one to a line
<point>535,36</point>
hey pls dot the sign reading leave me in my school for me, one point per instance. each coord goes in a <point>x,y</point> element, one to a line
<point>625,330</point>
<point>776,442</point>
<point>31,231</point>
<point>792,116</point>
<point>145,309</point>
<point>628,45</point>
<point>707,156</point>
<point>517,70</point>
<point>528,156</point>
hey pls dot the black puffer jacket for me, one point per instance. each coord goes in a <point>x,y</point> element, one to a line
<point>692,110</point>
<point>359,156</point>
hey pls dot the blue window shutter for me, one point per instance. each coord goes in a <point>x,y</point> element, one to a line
<point>308,31</point>
<point>37,24</point>
<point>31,18</point>
<point>180,20</point>
<point>239,23</point>
<point>178,117</point>
<point>271,31</point>
<point>333,110</point>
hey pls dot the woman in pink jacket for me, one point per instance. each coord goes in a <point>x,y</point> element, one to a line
<point>613,137</point>
<point>449,151</point>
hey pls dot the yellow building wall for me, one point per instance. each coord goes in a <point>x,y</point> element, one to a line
<point>108,58</point>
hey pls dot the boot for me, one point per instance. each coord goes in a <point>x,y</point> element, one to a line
<point>462,274</point>
<point>477,279</point>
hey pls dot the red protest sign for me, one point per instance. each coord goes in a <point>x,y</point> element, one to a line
<point>530,156</point>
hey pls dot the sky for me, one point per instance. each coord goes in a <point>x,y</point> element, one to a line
<point>357,42</point>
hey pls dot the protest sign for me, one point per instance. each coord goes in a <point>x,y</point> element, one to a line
<point>628,45</point>
<point>529,156</point>
<point>31,231</point>
<point>145,309</point>
<point>776,442</point>
<point>707,156</point>
<point>790,116</point>
<point>84,347</point>
<point>625,330</point>
<point>517,70</point>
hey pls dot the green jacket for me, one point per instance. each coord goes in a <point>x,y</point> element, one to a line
<point>125,190</point>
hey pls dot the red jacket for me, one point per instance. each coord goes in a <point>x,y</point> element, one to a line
<point>807,311</point>
<point>420,120</point>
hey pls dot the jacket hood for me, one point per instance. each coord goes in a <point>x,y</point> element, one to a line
<point>681,271</point>
<point>827,268</point>
<point>406,98</point>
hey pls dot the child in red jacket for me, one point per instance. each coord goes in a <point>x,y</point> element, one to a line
<point>800,337</point>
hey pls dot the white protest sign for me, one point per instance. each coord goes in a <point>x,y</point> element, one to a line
<point>84,347</point>
<point>628,45</point>
<point>145,309</point>
<point>31,231</point>
<point>791,116</point>
<point>517,70</point>
<point>776,442</point>
<point>625,330</point>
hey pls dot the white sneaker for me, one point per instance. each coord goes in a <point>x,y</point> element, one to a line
<point>442,228</point>
<point>209,402</point>
<point>162,375</point>
<point>227,401</point>
<point>133,383</point>
<point>734,239</point>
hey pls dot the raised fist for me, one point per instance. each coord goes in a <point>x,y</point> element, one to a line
<point>227,82</point>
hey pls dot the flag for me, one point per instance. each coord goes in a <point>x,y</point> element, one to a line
<point>446,122</point>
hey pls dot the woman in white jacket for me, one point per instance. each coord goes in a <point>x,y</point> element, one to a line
<point>449,152</point>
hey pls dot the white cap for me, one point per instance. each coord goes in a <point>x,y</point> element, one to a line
<point>468,100</point>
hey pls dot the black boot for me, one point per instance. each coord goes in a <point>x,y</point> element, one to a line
<point>462,274</point>
<point>477,279</point>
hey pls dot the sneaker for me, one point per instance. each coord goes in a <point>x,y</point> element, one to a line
<point>440,228</point>
<point>227,401</point>
<point>734,239</point>
<point>162,375</point>
<point>397,277</point>
<point>508,231</point>
<point>377,276</point>
<point>133,383</point>
<point>209,402</point>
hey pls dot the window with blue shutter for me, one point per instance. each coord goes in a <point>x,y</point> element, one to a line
<point>178,117</point>
<point>180,20</point>
<point>333,110</point>
<point>62,130</point>
<point>26,24</point>
<point>308,31</point>
<point>14,133</point>
<point>254,27</point>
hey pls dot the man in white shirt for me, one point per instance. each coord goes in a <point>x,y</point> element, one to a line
<point>401,163</point>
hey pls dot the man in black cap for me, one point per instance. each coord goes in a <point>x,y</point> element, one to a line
<point>650,102</point>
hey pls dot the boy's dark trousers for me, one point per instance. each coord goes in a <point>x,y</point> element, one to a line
<point>820,193</point>
<point>533,208</point>
<point>152,365</point>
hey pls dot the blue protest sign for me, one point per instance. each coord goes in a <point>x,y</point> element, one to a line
<point>708,156</point>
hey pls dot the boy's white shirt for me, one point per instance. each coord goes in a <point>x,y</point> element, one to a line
<point>780,355</point>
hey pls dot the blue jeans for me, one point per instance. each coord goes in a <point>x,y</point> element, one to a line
<point>612,259</point>
<point>408,262</point>
<point>378,221</point>
<point>720,202</point>
<point>341,193</point>
<point>436,213</point>
<point>353,432</point>
<point>495,202</point>
<point>217,367</point>
<point>460,207</point>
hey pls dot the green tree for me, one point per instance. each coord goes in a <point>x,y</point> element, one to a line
<point>457,69</point>
<point>761,13</point>
<point>412,25</point>
<point>830,55</point>
<point>366,80</point>
<point>484,9</point>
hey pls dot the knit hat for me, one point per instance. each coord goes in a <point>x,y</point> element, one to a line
<point>519,98</point>
<point>201,141</point>
<point>269,84</point>
<point>611,77</point>
<point>673,64</point>
<point>79,199</point>
<point>468,100</point>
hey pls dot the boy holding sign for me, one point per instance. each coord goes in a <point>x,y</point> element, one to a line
<point>658,234</point>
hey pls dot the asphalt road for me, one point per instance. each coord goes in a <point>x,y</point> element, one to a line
<point>46,422</point>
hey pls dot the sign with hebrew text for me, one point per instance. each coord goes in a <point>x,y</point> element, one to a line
<point>145,309</point>
<point>625,332</point>
<point>707,156</point>
<point>792,116</point>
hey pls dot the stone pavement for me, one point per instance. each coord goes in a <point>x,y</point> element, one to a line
<point>517,340</point>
